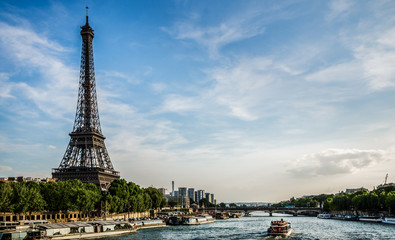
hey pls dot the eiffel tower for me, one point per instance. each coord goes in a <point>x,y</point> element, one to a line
<point>86,156</point>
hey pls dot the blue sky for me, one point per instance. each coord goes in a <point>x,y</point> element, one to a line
<point>249,100</point>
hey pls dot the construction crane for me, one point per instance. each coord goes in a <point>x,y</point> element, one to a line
<point>386,177</point>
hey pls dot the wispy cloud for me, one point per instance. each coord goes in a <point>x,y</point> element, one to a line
<point>26,48</point>
<point>339,8</point>
<point>179,104</point>
<point>120,75</point>
<point>213,38</point>
<point>338,161</point>
<point>5,168</point>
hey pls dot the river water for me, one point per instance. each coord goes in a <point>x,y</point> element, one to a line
<point>255,228</point>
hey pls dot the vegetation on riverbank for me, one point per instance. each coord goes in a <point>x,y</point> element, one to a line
<point>73,195</point>
<point>382,199</point>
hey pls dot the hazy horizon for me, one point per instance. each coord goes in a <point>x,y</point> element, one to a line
<point>249,100</point>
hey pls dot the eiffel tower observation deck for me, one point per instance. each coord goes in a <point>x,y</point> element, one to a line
<point>86,156</point>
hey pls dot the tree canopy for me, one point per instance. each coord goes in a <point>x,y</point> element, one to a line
<point>73,195</point>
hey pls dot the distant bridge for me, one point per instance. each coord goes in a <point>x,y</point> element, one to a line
<point>293,211</point>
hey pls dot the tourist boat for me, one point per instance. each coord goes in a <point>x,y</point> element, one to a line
<point>198,220</point>
<point>279,228</point>
<point>82,230</point>
<point>204,219</point>
<point>388,220</point>
<point>370,219</point>
<point>324,216</point>
<point>221,215</point>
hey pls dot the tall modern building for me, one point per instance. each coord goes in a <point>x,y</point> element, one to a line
<point>200,195</point>
<point>182,191</point>
<point>208,197</point>
<point>86,156</point>
<point>191,193</point>
<point>172,188</point>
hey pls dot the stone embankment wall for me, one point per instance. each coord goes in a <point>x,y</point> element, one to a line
<point>69,216</point>
<point>361,213</point>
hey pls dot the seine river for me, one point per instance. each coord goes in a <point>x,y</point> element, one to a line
<point>255,228</point>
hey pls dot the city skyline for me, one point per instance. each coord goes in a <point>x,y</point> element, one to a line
<point>237,97</point>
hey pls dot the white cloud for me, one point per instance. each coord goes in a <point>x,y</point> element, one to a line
<point>179,104</point>
<point>370,64</point>
<point>241,86</point>
<point>377,65</point>
<point>339,8</point>
<point>159,87</point>
<point>215,37</point>
<point>120,75</point>
<point>344,73</point>
<point>51,147</point>
<point>56,89</point>
<point>5,168</point>
<point>338,161</point>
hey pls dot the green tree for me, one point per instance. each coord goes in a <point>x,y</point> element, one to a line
<point>155,195</point>
<point>147,201</point>
<point>328,204</point>
<point>6,194</point>
<point>140,205</point>
<point>232,205</point>
<point>87,197</point>
<point>52,195</point>
<point>163,203</point>
<point>382,197</point>
<point>341,202</point>
<point>68,191</point>
<point>390,201</point>
<point>35,200</point>
<point>20,200</point>
<point>119,188</point>
<point>358,202</point>
<point>373,201</point>
<point>114,204</point>
<point>321,198</point>
<point>222,205</point>
<point>173,203</point>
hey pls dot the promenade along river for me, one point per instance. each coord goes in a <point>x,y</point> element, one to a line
<point>255,228</point>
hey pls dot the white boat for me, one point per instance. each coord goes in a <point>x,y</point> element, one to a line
<point>279,228</point>
<point>370,219</point>
<point>324,216</point>
<point>204,219</point>
<point>388,220</point>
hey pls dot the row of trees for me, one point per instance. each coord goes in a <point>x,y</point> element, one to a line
<point>73,195</point>
<point>382,199</point>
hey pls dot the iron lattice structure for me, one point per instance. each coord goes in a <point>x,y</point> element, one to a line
<point>86,157</point>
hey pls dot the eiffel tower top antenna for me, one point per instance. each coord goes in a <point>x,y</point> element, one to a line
<point>86,15</point>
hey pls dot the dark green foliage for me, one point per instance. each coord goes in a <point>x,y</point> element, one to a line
<point>341,202</point>
<point>26,197</point>
<point>206,203</point>
<point>390,201</point>
<point>163,203</point>
<point>381,199</point>
<point>5,197</point>
<point>156,196</point>
<point>173,203</point>
<point>73,195</point>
